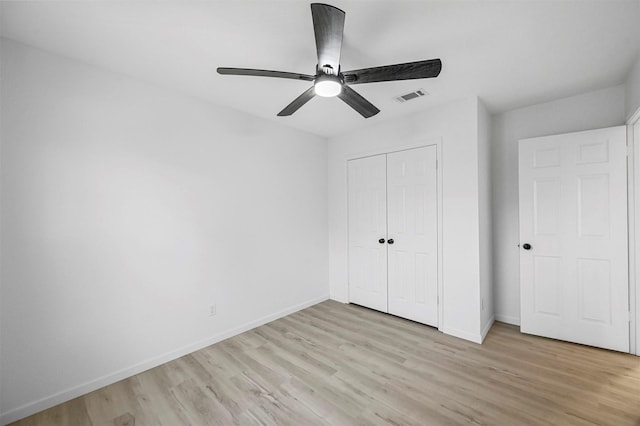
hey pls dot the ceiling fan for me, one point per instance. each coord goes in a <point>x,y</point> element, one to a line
<point>329,80</point>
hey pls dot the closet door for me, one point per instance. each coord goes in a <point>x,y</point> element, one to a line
<point>368,232</point>
<point>413,234</point>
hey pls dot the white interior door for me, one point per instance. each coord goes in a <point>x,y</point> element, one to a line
<point>412,210</point>
<point>573,214</point>
<point>367,226</point>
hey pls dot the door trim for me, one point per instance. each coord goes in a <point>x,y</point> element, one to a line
<point>633,164</point>
<point>379,151</point>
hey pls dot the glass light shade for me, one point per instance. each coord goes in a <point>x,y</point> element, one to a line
<point>327,87</point>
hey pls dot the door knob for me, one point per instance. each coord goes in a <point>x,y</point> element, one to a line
<point>526,246</point>
<point>381,240</point>
<point>390,241</point>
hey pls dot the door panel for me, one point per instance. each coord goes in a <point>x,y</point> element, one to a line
<point>367,224</point>
<point>573,212</point>
<point>546,206</point>
<point>413,225</point>
<point>546,282</point>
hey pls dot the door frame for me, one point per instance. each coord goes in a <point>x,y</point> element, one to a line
<point>422,143</point>
<point>633,164</point>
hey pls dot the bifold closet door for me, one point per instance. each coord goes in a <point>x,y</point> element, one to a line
<point>368,231</point>
<point>412,230</point>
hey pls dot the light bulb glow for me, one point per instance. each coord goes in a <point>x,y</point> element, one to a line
<point>327,86</point>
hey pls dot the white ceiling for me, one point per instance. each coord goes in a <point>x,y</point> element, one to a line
<point>510,54</point>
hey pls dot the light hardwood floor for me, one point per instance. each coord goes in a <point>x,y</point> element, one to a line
<point>343,364</point>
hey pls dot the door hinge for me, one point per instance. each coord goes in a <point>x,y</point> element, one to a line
<point>629,316</point>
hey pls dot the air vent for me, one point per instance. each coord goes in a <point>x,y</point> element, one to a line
<point>412,95</point>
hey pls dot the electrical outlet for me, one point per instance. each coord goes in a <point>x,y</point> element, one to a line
<point>212,310</point>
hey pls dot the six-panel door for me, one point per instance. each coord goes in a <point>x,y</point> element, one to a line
<point>367,226</point>
<point>412,222</point>
<point>573,214</point>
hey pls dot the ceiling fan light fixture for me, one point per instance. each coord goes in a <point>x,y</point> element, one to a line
<point>327,86</point>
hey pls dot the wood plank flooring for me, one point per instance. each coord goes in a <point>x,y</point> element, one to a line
<point>346,365</point>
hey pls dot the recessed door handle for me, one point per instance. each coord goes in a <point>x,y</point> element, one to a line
<point>526,246</point>
<point>381,240</point>
<point>390,241</point>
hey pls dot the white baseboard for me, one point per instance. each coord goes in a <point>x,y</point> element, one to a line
<point>487,327</point>
<point>508,319</point>
<point>100,382</point>
<point>472,337</point>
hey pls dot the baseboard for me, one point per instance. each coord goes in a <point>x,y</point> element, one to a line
<point>487,327</point>
<point>76,391</point>
<point>508,319</point>
<point>472,337</point>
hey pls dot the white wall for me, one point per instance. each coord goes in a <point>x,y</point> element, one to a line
<point>602,108</point>
<point>484,188</point>
<point>632,89</point>
<point>456,126</point>
<point>126,211</point>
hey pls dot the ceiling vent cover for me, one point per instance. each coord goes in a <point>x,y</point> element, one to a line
<point>411,95</point>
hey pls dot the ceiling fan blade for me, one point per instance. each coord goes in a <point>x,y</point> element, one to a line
<point>298,102</point>
<point>265,73</point>
<point>357,102</point>
<point>407,71</point>
<point>328,25</point>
